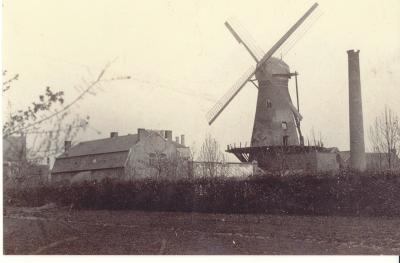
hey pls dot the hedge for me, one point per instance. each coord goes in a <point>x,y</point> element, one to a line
<point>374,194</point>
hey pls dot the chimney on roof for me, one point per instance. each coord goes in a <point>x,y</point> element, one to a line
<point>183,139</point>
<point>162,133</point>
<point>67,145</point>
<point>177,139</point>
<point>168,135</point>
<point>113,134</point>
<point>357,146</point>
<point>140,133</point>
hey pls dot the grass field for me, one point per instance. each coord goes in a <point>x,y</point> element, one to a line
<point>60,231</point>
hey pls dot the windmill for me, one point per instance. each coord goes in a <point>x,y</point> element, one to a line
<point>277,120</point>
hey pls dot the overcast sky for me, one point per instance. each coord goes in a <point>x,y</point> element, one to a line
<point>182,59</point>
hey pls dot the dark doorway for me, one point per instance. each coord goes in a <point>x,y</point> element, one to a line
<point>285,140</point>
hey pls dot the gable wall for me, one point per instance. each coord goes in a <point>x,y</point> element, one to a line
<point>138,163</point>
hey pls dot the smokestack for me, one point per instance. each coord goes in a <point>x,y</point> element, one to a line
<point>162,133</point>
<point>183,139</point>
<point>357,146</point>
<point>113,134</point>
<point>177,139</point>
<point>168,135</point>
<point>67,145</point>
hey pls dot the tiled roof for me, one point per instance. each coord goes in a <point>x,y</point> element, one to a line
<point>90,162</point>
<point>108,145</point>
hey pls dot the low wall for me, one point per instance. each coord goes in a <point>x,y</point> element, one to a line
<point>217,169</point>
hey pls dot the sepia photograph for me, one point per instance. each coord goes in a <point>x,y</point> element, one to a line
<point>193,127</point>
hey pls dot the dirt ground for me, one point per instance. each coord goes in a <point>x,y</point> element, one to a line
<point>61,231</point>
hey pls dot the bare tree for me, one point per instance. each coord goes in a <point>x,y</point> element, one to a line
<point>384,135</point>
<point>160,161</point>
<point>47,122</point>
<point>211,156</point>
<point>314,140</point>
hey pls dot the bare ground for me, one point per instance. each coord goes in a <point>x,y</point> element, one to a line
<point>61,231</point>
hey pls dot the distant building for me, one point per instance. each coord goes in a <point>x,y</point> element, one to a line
<point>375,161</point>
<point>148,153</point>
<point>224,169</point>
<point>17,169</point>
<point>14,149</point>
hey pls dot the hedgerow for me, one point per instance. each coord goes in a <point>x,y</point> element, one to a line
<point>371,194</point>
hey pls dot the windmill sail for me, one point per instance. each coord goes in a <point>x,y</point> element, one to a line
<point>243,37</point>
<point>286,36</point>
<point>228,97</point>
<point>299,34</point>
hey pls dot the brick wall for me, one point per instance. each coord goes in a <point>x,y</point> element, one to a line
<point>300,162</point>
<point>202,169</point>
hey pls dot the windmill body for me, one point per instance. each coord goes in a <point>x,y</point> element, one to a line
<point>276,128</point>
<point>274,122</point>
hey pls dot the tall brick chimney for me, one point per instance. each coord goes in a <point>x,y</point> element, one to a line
<point>183,139</point>
<point>67,145</point>
<point>140,132</point>
<point>168,135</point>
<point>357,146</point>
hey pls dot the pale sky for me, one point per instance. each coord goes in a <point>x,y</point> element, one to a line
<point>182,59</point>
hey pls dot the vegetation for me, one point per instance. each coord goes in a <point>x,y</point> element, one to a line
<point>211,157</point>
<point>374,194</point>
<point>49,120</point>
<point>384,135</point>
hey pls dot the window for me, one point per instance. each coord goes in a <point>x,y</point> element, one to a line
<point>284,125</point>
<point>152,158</point>
<point>268,103</point>
<point>157,159</point>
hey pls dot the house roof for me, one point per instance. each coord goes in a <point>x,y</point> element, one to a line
<point>90,162</point>
<point>107,145</point>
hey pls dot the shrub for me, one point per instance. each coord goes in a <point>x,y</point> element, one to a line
<point>371,194</point>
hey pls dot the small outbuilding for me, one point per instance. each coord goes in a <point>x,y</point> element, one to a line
<point>18,170</point>
<point>375,161</point>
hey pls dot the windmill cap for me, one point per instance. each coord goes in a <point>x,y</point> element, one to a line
<point>273,66</point>
<point>277,66</point>
<point>351,51</point>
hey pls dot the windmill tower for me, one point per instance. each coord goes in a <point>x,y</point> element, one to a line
<point>277,120</point>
